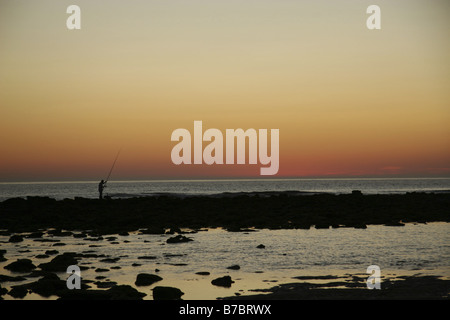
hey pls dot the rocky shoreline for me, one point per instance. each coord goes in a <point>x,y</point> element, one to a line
<point>154,215</point>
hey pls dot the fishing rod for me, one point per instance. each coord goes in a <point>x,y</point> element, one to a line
<point>114,163</point>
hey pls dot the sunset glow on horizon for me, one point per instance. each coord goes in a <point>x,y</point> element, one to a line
<point>347,101</point>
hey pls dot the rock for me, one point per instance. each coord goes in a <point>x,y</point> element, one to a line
<point>223,282</point>
<point>18,292</point>
<point>105,285</point>
<point>136,265</point>
<point>203,273</point>
<point>145,279</point>
<point>79,235</point>
<point>101,270</point>
<point>173,230</point>
<point>234,267</point>
<point>60,263</point>
<point>125,292</point>
<point>51,252</point>
<point>35,235</point>
<point>179,239</point>
<point>47,286</point>
<point>261,246</point>
<point>2,291</point>
<point>167,293</point>
<point>147,258</point>
<point>21,265</point>
<point>5,278</point>
<point>41,256</point>
<point>59,244</point>
<point>152,230</point>
<point>15,238</point>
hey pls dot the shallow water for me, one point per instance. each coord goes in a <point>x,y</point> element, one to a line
<point>412,249</point>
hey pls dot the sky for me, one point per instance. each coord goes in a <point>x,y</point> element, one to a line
<point>348,101</point>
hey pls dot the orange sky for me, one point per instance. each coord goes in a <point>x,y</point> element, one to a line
<point>348,101</point>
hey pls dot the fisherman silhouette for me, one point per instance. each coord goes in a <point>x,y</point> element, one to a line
<point>101,186</point>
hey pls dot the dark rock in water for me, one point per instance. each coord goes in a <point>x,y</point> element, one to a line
<point>59,233</point>
<point>173,230</point>
<point>79,235</point>
<point>223,282</point>
<point>147,258</point>
<point>35,235</point>
<point>234,267</point>
<point>41,256</point>
<point>59,244</point>
<point>146,279</point>
<point>101,270</point>
<point>125,292</point>
<point>2,291</point>
<point>51,285</point>
<point>203,273</point>
<point>111,238</point>
<point>167,293</point>
<point>136,265</point>
<point>179,239</point>
<point>21,265</point>
<point>261,246</point>
<point>15,238</point>
<point>394,224</point>
<point>156,270</point>
<point>51,252</point>
<point>18,292</point>
<point>105,285</point>
<point>116,268</point>
<point>2,258</point>
<point>60,263</point>
<point>152,230</point>
<point>100,277</point>
<point>5,278</point>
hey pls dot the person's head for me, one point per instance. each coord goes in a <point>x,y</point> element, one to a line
<point>102,181</point>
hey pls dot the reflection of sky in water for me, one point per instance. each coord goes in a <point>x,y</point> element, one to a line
<point>397,250</point>
<point>145,188</point>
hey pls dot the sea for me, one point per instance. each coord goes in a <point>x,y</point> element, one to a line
<point>123,189</point>
<point>287,256</point>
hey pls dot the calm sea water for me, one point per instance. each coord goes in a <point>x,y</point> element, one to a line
<point>408,250</point>
<point>60,190</point>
